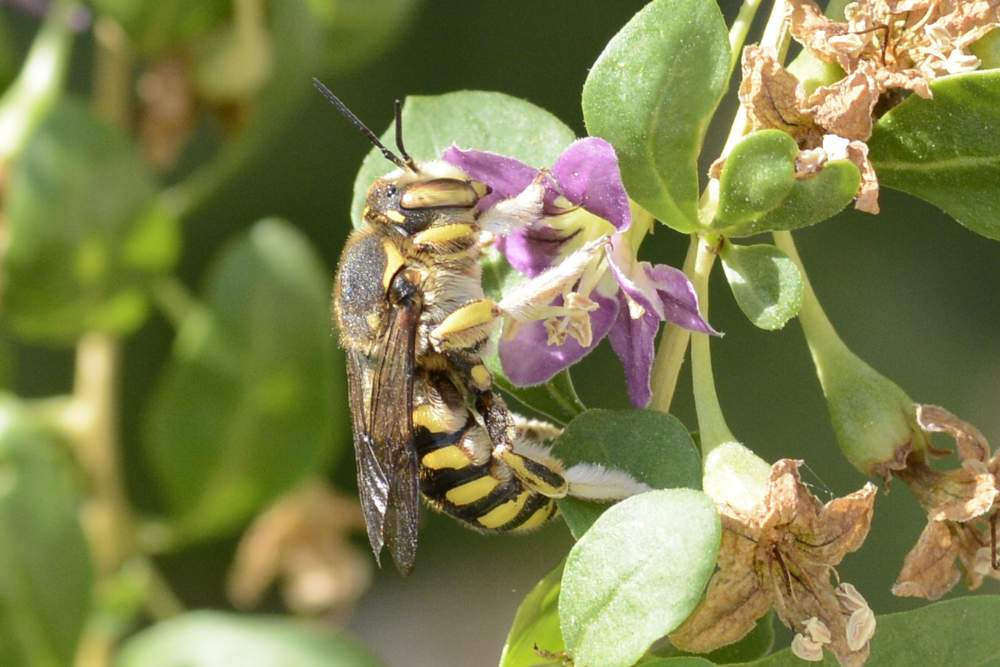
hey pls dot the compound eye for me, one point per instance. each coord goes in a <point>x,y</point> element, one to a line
<point>447,192</point>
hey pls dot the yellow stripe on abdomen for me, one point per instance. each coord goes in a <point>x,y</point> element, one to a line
<point>504,512</point>
<point>472,491</point>
<point>452,456</point>
<point>540,516</point>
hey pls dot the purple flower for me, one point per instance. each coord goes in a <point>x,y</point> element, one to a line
<point>568,236</point>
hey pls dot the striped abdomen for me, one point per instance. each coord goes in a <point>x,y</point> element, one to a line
<point>460,477</point>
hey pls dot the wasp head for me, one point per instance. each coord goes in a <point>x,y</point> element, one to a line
<point>411,200</point>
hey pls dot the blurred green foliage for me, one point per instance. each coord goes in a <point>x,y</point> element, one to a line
<point>233,394</point>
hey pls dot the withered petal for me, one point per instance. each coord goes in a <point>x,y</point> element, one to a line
<point>970,443</point>
<point>929,569</point>
<point>771,94</point>
<point>733,603</point>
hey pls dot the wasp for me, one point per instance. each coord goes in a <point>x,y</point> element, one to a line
<point>414,322</point>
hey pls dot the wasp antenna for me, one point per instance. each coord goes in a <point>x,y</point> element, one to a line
<point>349,115</point>
<point>399,138</point>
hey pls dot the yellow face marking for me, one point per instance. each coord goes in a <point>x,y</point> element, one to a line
<point>472,491</point>
<point>443,234</point>
<point>393,260</point>
<point>439,192</point>
<point>446,457</point>
<point>468,316</point>
<point>395,216</point>
<point>373,321</point>
<point>481,376</point>
<point>504,512</point>
<point>540,516</point>
<point>480,188</point>
<point>536,483</point>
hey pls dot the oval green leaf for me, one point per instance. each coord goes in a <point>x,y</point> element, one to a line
<point>756,177</point>
<point>536,624</point>
<point>636,575</point>
<point>759,191</point>
<point>247,404</point>
<point>766,283</point>
<point>86,236</point>
<point>811,200</point>
<point>960,631</point>
<point>45,571</point>
<point>653,447</point>
<point>652,93</point>
<point>217,639</point>
<point>470,119</point>
<point>946,150</point>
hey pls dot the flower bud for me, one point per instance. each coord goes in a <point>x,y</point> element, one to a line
<point>735,477</point>
<point>873,419</point>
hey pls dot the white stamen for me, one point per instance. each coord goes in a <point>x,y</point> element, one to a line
<point>516,213</point>
<point>806,649</point>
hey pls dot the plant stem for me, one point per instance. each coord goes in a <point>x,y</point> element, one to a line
<point>173,299</point>
<point>671,351</point>
<point>824,343</point>
<point>740,28</point>
<point>112,73</point>
<point>712,427</point>
<point>95,392</point>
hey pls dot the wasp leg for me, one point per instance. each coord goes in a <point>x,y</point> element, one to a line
<point>466,327</point>
<point>538,469</point>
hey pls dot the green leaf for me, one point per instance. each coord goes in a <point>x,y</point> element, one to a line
<point>357,31</point>
<point>946,150</point>
<point>45,572</point>
<point>652,93</point>
<point>756,177</point>
<point>86,236</point>
<point>8,57</point>
<point>637,574</point>
<point>157,26</point>
<point>536,624</point>
<point>247,404</point>
<point>654,447</point>
<point>765,281</point>
<point>470,119</point>
<point>960,631</point>
<point>811,200</point>
<point>760,193</point>
<point>217,639</point>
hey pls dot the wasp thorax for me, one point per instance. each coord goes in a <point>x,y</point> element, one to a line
<point>411,201</point>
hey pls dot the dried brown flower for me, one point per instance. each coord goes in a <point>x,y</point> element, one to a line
<point>838,115</point>
<point>782,554</point>
<point>303,539</point>
<point>902,43</point>
<point>962,507</point>
<point>883,45</point>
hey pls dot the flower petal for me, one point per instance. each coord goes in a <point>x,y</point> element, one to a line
<point>659,288</point>
<point>505,175</point>
<point>633,342</point>
<point>587,173</point>
<point>733,602</point>
<point>528,360</point>
<point>531,250</point>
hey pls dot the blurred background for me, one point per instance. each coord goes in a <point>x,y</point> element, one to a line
<point>219,108</point>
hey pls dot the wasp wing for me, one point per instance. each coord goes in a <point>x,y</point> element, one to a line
<point>381,395</point>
